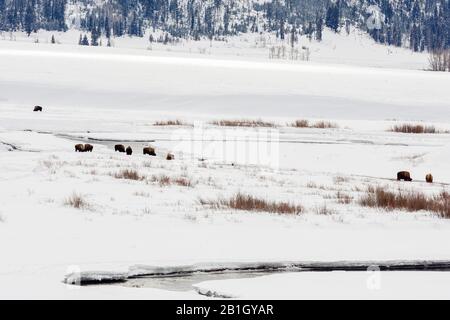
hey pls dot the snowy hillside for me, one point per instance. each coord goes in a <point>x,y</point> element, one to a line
<point>356,48</point>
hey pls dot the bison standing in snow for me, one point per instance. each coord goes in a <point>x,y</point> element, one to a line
<point>129,151</point>
<point>170,156</point>
<point>150,151</point>
<point>88,147</point>
<point>79,148</point>
<point>37,108</point>
<point>119,148</point>
<point>404,175</point>
<point>429,178</point>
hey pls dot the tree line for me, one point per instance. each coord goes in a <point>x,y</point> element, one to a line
<point>417,24</point>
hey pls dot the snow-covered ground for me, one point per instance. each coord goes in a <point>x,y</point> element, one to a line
<point>116,94</point>
<point>355,48</point>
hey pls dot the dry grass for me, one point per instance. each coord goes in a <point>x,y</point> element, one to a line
<point>324,210</point>
<point>76,201</point>
<point>250,203</point>
<point>184,182</point>
<point>411,201</point>
<point>343,198</point>
<point>340,179</point>
<point>128,174</point>
<point>142,194</point>
<point>243,123</point>
<point>325,125</point>
<point>302,123</point>
<point>164,180</point>
<point>311,185</point>
<point>414,128</point>
<point>171,123</point>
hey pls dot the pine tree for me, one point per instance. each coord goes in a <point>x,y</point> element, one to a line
<point>319,28</point>
<point>94,38</point>
<point>333,17</point>
<point>85,41</point>
<point>53,39</point>
<point>29,19</point>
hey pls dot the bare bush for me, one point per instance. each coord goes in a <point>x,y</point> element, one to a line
<point>343,198</point>
<point>76,201</point>
<point>243,123</point>
<point>141,194</point>
<point>128,174</point>
<point>311,185</point>
<point>325,125</point>
<point>340,179</point>
<point>250,203</point>
<point>324,210</point>
<point>176,122</point>
<point>410,201</point>
<point>164,180</point>
<point>440,60</point>
<point>184,182</point>
<point>414,128</point>
<point>302,123</point>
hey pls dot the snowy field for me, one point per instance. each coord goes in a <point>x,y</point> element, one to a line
<point>107,95</point>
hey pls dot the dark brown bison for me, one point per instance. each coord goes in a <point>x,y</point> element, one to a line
<point>404,175</point>
<point>129,151</point>
<point>37,108</point>
<point>429,178</point>
<point>170,156</point>
<point>88,147</point>
<point>150,151</point>
<point>79,148</point>
<point>119,148</point>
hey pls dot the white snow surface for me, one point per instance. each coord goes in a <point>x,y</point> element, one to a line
<point>334,285</point>
<point>118,93</point>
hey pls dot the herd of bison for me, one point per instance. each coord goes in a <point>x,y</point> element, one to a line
<point>121,148</point>
<point>401,176</point>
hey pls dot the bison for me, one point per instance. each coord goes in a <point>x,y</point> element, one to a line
<point>170,156</point>
<point>119,148</point>
<point>37,108</point>
<point>129,151</point>
<point>404,175</point>
<point>429,178</point>
<point>150,151</point>
<point>79,148</point>
<point>88,147</point>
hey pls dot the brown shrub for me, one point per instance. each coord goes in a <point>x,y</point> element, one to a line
<point>410,201</point>
<point>183,182</point>
<point>325,125</point>
<point>318,125</point>
<point>311,185</point>
<point>300,124</point>
<point>243,123</point>
<point>171,123</point>
<point>343,198</point>
<point>324,210</point>
<point>76,201</point>
<point>250,203</point>
<point>413,128</point>
<point>164,180</point>
<point>128,174</point>
<point>340,179</point>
